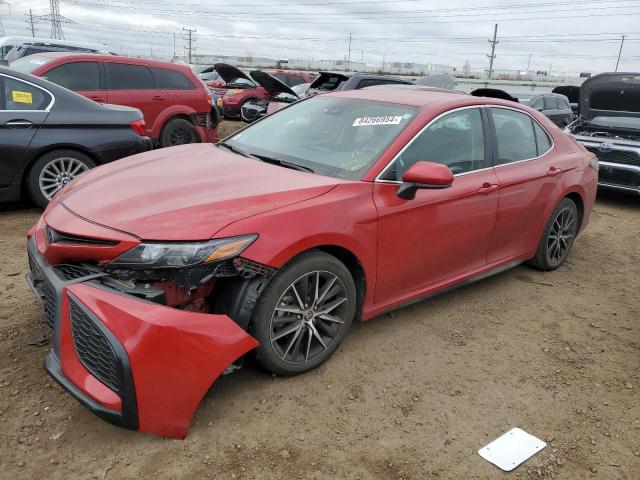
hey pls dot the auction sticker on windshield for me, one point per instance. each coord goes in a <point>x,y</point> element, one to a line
<point>385,120</point>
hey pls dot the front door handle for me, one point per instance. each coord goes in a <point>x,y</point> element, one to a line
<point>487,188</point>
<point>159,97</point>
<point>19,124</point>
<point>553,171</point>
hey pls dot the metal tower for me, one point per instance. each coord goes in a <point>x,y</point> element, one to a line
<point>56,20</point>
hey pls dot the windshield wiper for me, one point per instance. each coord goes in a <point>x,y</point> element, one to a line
<point>283,163</point>
<point>237,150</point>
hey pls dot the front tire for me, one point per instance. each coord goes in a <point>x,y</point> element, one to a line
<point>304,313</point>
<point>178,132</point>
<point>54,170</point>
<point>558,236</point>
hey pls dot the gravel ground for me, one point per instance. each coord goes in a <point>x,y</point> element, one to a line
<point>410,395</point>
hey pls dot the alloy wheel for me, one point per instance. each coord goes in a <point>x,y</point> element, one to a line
<point>308,317</point>
<point>180,136</point>
<point>57,173</point>
<point>561,236</point>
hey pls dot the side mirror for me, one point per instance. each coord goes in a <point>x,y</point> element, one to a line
<point>424,174</point>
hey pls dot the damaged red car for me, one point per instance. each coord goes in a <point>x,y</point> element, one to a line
<point>156,279</point>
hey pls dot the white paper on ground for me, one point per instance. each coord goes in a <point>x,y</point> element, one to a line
<point>511,449</point>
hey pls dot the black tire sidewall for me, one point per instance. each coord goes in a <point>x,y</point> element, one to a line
<point>33,178</point>
<point>541,259</point>
<point>260,325</point>
<point>165,137</point>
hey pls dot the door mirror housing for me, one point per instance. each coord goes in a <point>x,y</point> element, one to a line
<point>424,174</point>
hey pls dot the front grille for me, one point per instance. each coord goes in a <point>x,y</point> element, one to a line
<point>93,349</point>
<point>53,236</point>
<point>46,291</point>
<point>68,271</point>
<point>249,114</point>
<point>625,157</point>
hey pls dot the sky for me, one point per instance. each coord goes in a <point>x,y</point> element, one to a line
<point>570,36</point>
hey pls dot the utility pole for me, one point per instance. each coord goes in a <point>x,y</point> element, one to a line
<point>620,52</point>
<point>56,20</point>
<point>550,65</point>
<point>4,2</point>
<point>173,59</point>
<point>190,40</point>
<point>493,49</point>
<point>349,56</point>
<point>31,21</point>
<point>529,63</point>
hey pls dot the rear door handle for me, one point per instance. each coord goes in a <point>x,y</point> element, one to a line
<point>487,188</point>
<point>553,171</point>
<point>19,124</point>
<point>159,97</point>
<point>97,99</point>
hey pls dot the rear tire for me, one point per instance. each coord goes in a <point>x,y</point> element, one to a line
<point>299,325</point>
<point>558,236</point>
<point>54,170</point>
<point>178,132</point>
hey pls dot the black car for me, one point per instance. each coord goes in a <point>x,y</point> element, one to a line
<point>48,135</point>
<point>552,105</point>
<point>609,126</point>
<point>334,81</point>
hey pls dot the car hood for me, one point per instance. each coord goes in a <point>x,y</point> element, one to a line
<point>271,84</point>
<point>610,95</point>
<point>229,73</point>
<point>186,193</point>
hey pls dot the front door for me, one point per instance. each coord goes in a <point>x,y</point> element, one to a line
<point>443,233</point>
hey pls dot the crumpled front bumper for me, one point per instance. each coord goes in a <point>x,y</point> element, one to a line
<point>136,364</point>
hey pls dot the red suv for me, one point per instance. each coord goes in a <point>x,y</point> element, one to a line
<point>176,105</point>
<point>241,88</point>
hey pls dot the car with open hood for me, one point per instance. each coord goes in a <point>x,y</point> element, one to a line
<point>336,81</point>
<point>335,209</point>
<point>609,126</point>
<point>280,95</point>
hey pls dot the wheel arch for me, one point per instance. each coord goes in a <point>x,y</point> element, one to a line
<point>579,201</point>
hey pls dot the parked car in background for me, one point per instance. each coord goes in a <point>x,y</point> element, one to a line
<point>30,45</point>
<point>553,105</point>
<point>444,81</point>
<point>337,208</point>
<point>175,103</point>
<point>280,95</point>
<point>572,92</point>
<point>49,135</point>
<point>241,88</point>
<point>335,81</point>
<point>609,126</point>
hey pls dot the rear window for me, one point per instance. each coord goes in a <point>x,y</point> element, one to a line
<point>172,79</point>
<point>30,64</point>
<point>289,80</point>
<point>328,82</point>
<point>76,76</point>
<point>121,76</point>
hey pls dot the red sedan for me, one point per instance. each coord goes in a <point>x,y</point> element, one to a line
<point>157,279</point>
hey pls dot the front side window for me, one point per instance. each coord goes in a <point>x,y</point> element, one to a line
<point>172,79</point>
<point>18,95</point>
<point>121,76</point>
<point>76,76</point>
<point>515,136</point>
<point>338,137</point>
<point>455,140</point>
<point>538,103</point>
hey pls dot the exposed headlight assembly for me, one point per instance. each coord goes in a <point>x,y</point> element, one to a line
<point>176,255</point>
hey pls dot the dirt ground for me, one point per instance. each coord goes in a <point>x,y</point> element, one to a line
<point>409,395</point>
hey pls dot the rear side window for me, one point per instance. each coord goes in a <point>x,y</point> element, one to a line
<point>543,142</point>
<point>516,139</point>
<point>289,80</point>
<point>172,79</point>
<point>121,76</point>
<point>76,76</point>
<point>18,95</point>
<point>550,103</point>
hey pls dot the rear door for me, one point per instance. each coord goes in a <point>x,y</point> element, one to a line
<point>134,86</point>
<point>83,77</point>
<point>528,169</point>
<point>551,108</point>
<point>24,107</point>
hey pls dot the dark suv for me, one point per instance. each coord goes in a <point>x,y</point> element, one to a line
<point>552,105</point>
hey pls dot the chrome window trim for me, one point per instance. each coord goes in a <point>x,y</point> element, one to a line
<point>466,107</point>
<point>47,109</point>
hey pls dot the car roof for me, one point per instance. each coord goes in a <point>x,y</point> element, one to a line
<point>421,97</point>
<point>49,56</point>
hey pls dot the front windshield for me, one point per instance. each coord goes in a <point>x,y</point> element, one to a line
<point>333,136</point>
<point>29,63</point>
<point>616,122</point>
